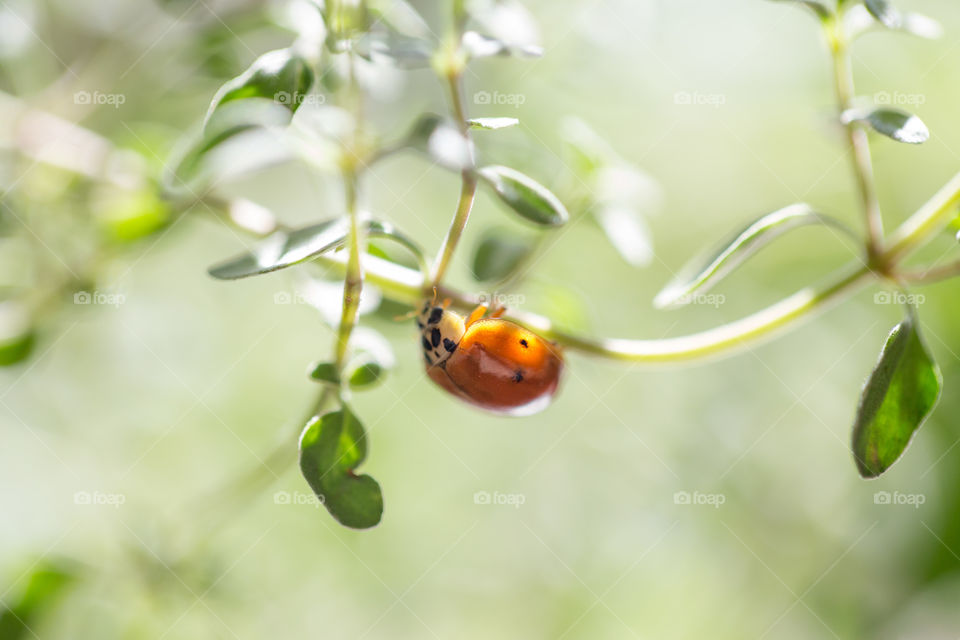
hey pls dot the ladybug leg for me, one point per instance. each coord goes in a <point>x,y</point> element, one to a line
<point>475,315</point>
<point>498,311</point>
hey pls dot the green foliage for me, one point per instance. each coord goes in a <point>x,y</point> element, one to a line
<point>899,395</point>
<point>17,336</point>
<point>281,76</point>
<point>331,447</point>
<point>525,196</point>
<point>498,255</point>
<point>46,583</point>
<point>895,124</point>
<point>702,273</point>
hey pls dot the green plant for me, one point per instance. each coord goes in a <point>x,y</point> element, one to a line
<point>263,105</point>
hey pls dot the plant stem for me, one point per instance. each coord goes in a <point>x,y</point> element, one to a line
<point>468,188</point>
<point>859,145</point>
<point>353,277</point>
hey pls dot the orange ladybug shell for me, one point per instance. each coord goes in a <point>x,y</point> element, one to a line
<point>501,367</point>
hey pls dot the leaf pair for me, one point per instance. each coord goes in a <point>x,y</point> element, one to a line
<point>332,446</point>
<point>284,249</point>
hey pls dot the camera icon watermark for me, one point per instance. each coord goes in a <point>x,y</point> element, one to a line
<point>697,498</point>
<point>297,498</point>
<point>514,500</point>
<point>98,98</point>
<point>86,498</point>
<point>502,99</point>
<point>695,98</point>
<point>896,498</point>
<point>899,297</point>
<point>99,298</point>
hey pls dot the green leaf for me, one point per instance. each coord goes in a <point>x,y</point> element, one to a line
<point>478,45</point>
<point>900,393</point>
<point>365,375</point>
<point>701,274</point>
<point>885,13</point>
<point>17,335</point>
<point>492,124</point>
<point>400,50</point>
<point>286,248</point>
<point>331,447</point>
<point>439,138</point>
<point>893,123</point>
<point>281,76</point>
<point>499,255</point>
<point>45,585</point>
<point>818,8</point>
<point>524,195</point>
<point>129,215</point>
<point>326,372</point>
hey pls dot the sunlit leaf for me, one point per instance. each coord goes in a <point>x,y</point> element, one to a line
<point>893,123</point>
<point>701,274</point>
<point>127,215</point>
<point>281,76</point>
<point>439,138</point>
<point>498,255</point>
<point>45,585</point>
<point>326,372</point>
<point>365,374</point>
<point>818,8</point>
<point>286,248</point>
<point>899,395</point>
<point>480,46</point>
<point>17,335</point>
<point>884,12</point>
<point>627,232</point>
<point>331,447</point>
<point>492,124</point>
<point>524,195</point>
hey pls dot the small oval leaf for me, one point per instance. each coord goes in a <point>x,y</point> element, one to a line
<point>498,256</point>
<point>526,196</point>
<point>326,372</point>
<point>366,375</point>
<point>331,447</point>
<point>885,13</point>
<point>701,274</point>
<point>282,76</point>
<point>898,396</point>
<point>286,248</point>
<point>893,123</point>
<point>492,124</point>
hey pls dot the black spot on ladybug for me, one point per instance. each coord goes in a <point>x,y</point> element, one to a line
<point>419,324</point>
<point>435,337</point>
<point>523,343</point>
<point>436,354</point>
<point>426,356</point>
<point>435,315</point>
<point>426,343</point>
<point>426,307</point>
<point>449,345</point>
<point>518,376</point>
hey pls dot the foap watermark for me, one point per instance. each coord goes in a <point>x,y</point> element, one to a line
<point>496,98</point>
<point>493,299</point>
<point>710,299</point>
<point>285,97</point>
<point>297,498</point>
<point>698,498</point>
<point>99,98</point>
<point>286,297</point>
<point>99,298</point>
<point>899,98</point>
<point>896,498</point>
<point>510,499</point>
<point>99,498</point>
<point>695,98</point>
<point>899,297</point>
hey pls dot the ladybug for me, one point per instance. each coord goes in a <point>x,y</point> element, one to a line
<point>491,363</point>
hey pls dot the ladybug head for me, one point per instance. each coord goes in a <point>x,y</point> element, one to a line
<point>440,332</point>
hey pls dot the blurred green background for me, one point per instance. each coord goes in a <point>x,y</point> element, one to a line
<point>124,433</point>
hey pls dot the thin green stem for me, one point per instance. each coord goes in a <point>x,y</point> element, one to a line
<point>859,146</point>
<point>353,276</point>
<point>468,188</point>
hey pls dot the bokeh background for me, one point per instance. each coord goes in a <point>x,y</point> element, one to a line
<point>166,410</point>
